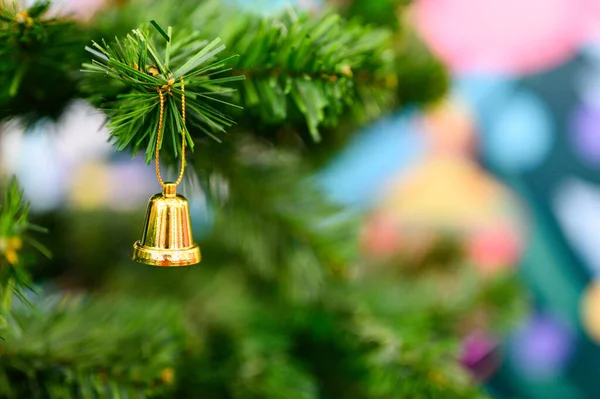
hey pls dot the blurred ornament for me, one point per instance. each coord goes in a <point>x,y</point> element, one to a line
<point>590,310</point>
<point>591,20</point>
<point>577,208</point>
<point>121,186</point>
<point>80,9</point>
<point>275,5</point>
<point>91,186</point>
<point>587,76</point>
<point>480,354</point>
<point>387,147</point>
<point>447,192</point>
<point>78,147</point>
<point>511,36</point>
<point>134,182</point>
<point>449,196</point>
<point>450,128</point>
<point>484,94</point>
<point>585,134</point>
<point>520,135</point>
<point>11,143</point>
<point>81,135</point>
<point>495,247</point>
<point>42,175</point>
<point>542,348</point>
<point>381,236</point>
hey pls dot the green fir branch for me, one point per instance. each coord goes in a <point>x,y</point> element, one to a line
<point>130,349</point>
<point>141,68</point>
<point>14,229</point>
<point>39,55</point>
<point>303,69</point>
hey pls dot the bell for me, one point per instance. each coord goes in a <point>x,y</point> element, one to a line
<point>167,237</point>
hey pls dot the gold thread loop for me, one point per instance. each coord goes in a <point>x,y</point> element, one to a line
<point>160,130</point>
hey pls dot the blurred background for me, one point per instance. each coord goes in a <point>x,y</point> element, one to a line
<point>506,167</point>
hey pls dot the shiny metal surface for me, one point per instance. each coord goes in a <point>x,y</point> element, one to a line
<point>167,237</point>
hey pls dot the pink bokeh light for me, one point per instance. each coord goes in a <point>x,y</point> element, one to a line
<point>505,36</point>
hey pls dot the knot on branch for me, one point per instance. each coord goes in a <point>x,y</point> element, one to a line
<point>168,85</point>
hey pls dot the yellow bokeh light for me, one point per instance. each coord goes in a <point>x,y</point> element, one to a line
<point>590,310</point>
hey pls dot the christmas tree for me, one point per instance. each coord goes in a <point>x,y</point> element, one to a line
<point>283,304</point>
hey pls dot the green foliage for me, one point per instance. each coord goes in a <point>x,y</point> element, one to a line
<point>143,68</point>
<point>310,72</point>
<point>77,347</point>
<point>14,232</point>
<point>305,69</point>
<point>283,306</point>
<point>303,237</point>
<point>422,78</point>
<point>304,72</point>
<point>13,211</point>
<point>380,12</point>
<point>39,56</point>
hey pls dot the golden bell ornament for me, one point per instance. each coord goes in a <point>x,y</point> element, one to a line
<point>167,236</point>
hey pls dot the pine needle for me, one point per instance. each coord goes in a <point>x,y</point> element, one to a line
<point>141,67</point>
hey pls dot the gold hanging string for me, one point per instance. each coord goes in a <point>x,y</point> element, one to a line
<point>160,130</point>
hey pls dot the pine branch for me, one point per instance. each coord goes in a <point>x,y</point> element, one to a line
<point>129,350</point>
<point>141,66</point>
<point>307,72</point>
<point>304,238</point>
<point>383,12</point>
<point>14,233</point>
<point>422,78</point>
<point>303,69</point>
<point>38,59</point>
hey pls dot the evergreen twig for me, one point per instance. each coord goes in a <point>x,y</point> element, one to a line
<point>14,226</point>
<point>38,56</point>
<point>140,67</point>
<point>305,69</point>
